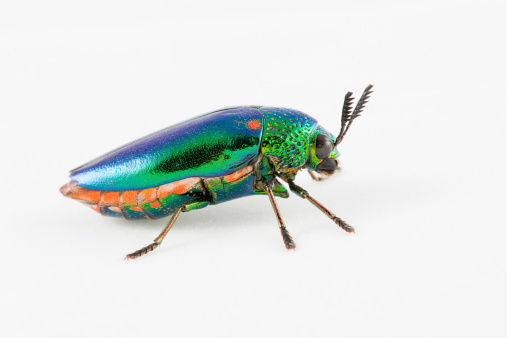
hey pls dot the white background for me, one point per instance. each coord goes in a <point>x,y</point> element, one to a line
<point>423,178</point>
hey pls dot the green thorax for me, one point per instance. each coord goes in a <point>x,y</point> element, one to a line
<point>286,137</point>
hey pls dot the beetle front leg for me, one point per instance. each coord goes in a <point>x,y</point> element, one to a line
<point>287,238</point>
<point>320,177</point>
<point>160,238</point>
<point>315,177</point>
<point>304,194</point>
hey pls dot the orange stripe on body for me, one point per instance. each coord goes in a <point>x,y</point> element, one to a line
<point>134,198</point>
<point>109,198</point>
<point>147,195</point>
<point>238,174</point>
<point>87,195</point>
<point>178,187</point>
<point>129,198</point>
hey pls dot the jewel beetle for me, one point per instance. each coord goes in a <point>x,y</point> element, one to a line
<point>210,159</point>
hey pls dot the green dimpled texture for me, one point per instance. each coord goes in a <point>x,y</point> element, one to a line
<point>286,135</point>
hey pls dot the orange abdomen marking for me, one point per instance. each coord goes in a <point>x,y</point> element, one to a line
<point>139,203</point>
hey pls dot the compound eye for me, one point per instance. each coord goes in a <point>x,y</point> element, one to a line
<point>323,146</point>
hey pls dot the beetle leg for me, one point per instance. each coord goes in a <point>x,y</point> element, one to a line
<point>315,177</point>
<point>185,207</point>
<point>287,239</point>
<point>321,177</point>
<point>157,240</point>
<point>304,194</point>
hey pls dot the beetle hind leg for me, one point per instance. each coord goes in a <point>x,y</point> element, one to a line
<point>184,208</point>
<point>157,240</point>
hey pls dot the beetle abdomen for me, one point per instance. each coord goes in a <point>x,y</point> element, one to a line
<point>160,201</point>
<point>149,203</point>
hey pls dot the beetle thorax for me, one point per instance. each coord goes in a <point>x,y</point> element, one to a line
<point>286,137</point>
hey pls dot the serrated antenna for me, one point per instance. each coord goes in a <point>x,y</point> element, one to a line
<point>347,116</point>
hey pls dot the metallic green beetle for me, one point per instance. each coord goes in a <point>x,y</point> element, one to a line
<point>216,157</point>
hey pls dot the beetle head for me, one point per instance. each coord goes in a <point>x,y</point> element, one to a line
<point>323,153</point>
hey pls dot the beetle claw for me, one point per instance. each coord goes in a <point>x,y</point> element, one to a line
<point>287,238</point>
<point>342,224</point>
<point>142,251</point>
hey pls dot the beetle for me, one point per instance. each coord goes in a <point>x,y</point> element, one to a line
<point>213,158</point>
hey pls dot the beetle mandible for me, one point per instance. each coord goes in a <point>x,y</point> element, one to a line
<point>210,159</point>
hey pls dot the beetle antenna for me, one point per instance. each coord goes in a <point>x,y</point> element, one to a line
<point>346,113</point>
<point>347,116</point>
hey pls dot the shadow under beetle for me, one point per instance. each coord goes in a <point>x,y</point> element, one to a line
<point>210,159</point>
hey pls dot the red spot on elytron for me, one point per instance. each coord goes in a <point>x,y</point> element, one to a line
<point>254,124</point>
<point>155,204</point>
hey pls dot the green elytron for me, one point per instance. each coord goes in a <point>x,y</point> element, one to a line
<point>210,159</point>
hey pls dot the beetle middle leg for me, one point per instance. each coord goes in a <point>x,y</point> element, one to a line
<point>304,194</point>
<point>287,239</point>
<point>185,207</point>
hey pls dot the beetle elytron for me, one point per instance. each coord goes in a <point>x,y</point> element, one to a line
<point>210,159</point>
